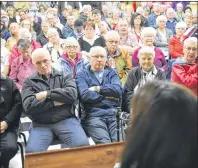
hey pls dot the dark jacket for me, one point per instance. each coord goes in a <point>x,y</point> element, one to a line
<point>42,39</point>
<point>133,79</point>
<point>107,100</point>
<point>10,102</point>
<point>60,87</point>
<point>85,46</point>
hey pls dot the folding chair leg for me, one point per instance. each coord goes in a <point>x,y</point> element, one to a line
<point>22,153</point>
<point>24,138</point>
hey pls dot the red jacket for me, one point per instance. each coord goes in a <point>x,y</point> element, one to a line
<point>175,47</point>
<point>15,52</point>
<point>185,74</point>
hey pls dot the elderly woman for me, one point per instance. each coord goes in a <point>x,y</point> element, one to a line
<point>22,66</point>
<point>90,39</point>
<point>142,74</point>
<point>14,30</point>
<point>163,35</point>
<point>103,28</point>
<point>163,130</point>
<point>191,30</point>
<point>114,20</point>
<point>28,25</point>
<point>55,46</point>
<point>175,44</point>
<point>71,61</point>
<point>23,34</point>
<point>148,37</point>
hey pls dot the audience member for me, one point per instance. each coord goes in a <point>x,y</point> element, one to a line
<point>163,35</point>
<point>55,46</point>
<point>142,74</point>
<point>11,14</point>
<point>28,25</point>
<point>42,37</point>
<point>175,44</point>
<point>78,29</point>
<point>5,54</point>
<point>179,15</point>
<point>48,99</point>
<point>103,28</point>
<point>191,29</point>
<point>11,108</point>
<point>22,66</point>
<point>100,94</point>
<point>5,34</point>
<point>114,20</point>
<point>69,26</point>
<point>148,38</point>
<point>171,20</point>
<point>184,70</point>
<point>163,125</point>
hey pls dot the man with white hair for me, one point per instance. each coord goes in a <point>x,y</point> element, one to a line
<point>100,94</point>
<point>23,34</point>
<point>152,17</point>
<point>48,98</point>
<point>179,15</point>
<point>171,22</point>
<point>184,70</point>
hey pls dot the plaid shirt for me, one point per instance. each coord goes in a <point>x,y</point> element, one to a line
<point>130,40</point>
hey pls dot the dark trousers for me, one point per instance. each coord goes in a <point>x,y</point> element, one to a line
<point>8,147</point>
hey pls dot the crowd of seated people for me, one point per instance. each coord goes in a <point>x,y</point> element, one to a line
<point>94,58</point>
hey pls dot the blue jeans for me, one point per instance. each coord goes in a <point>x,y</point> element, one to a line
<point>101,129</point>
<point>68,131</point>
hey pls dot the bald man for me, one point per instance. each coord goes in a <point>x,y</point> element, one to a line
<point>100,94</point>
<point>48,99</point>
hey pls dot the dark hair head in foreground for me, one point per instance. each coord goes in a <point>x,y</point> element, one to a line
<point>163,133</point>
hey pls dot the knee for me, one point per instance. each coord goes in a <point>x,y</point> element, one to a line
<point>31,148</point>
<point>80,142</point>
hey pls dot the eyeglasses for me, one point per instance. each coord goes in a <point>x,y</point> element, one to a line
<point>190,48</point>
<point>54,35</point>
<point>111,41</point>
<point>149,36</point>
<point>69,47</point>
<point>98,56</point>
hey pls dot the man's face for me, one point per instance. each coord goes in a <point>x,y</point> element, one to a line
<point>148,39</point>
<point>156,7</point>
<point>102,27</point>
<point>79,30</point>
<point>105,9</point>
<point>89,32</point>
<point>70,20</point>
<point>45,27</point>
<point>123,27</point>
<point>50,19</point>
<point>42,63</point>
<point>65,13</point>
<point>85,11</point>
<point>97,60</point>
<point>112,43</point>
<point>190,52</point>
<point>170,14</point>
<point>53,38</point>
<point>26,52</point>
<point>146,61</point>
<point>180,8</point>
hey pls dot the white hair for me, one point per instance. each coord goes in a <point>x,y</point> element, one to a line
<point>179,4</point>
<point>192,39</point>
<point>140,10</point>
<point>111,32</point>
<point>146,50</point>
<point>161,17</point>
<point>149,30</point>
<point>98,49</point>
<point>71,40</point>
<point>52,30</point>
<point>181,25</point>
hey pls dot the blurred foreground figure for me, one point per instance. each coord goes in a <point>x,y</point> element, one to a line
<point>163,132</point>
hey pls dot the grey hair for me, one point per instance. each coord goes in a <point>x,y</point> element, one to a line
<point>179,4</point>
<point>115,33</point>
<point>52,30</point>
<point>161,17</point>
<point>181,25</point>
<point>192,39</point>
<point>23,44</point>
<point>146,50</point>
<point>148,30</point>
<point>96,49</point>
<point>71,40</point>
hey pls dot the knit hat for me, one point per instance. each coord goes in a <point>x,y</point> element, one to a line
<point>78,23</point>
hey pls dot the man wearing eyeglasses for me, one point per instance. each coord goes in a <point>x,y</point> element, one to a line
<point>49,100</point>
<point>184,70</point>
<point>117,56</point>
<point>100,93</point>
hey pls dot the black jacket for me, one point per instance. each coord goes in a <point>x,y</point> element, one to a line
<point>85,46</point>
<point>10,102</point>
<point>42,39</point>
<point>133,79</point>
<point>60,87</point>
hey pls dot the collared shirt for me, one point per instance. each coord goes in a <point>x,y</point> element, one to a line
<point>130,40</point>
<point>171,25</point>
<point>20,70</point>
<point>99,75</point>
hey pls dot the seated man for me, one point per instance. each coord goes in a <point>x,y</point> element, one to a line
<point>184,70</point>
<point>100,93</point>
<point>48,99</point>
<point>118,57</point>
<point>10,112</point>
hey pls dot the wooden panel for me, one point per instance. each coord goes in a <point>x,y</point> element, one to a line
<point>98,156</point>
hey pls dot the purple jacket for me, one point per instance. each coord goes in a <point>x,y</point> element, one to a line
<point>20,70</point>
<point>159,60</point>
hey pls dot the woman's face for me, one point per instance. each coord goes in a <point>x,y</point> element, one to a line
<point>146,61</point>
<point>14,29</point>
<point>26,24</point>
<point>188,20</point>
<point>148,39</point>
<point>180,31</point>
<point>71,49</point>
<point>162,23</point>
<point>53,38</point>
<point>137,20</point>
<point>89,32</point>
<point>41,9</point>
<point>10,11</point>
<point>102,27</point>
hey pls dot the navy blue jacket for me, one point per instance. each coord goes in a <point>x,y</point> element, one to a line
<point>105,102</point>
